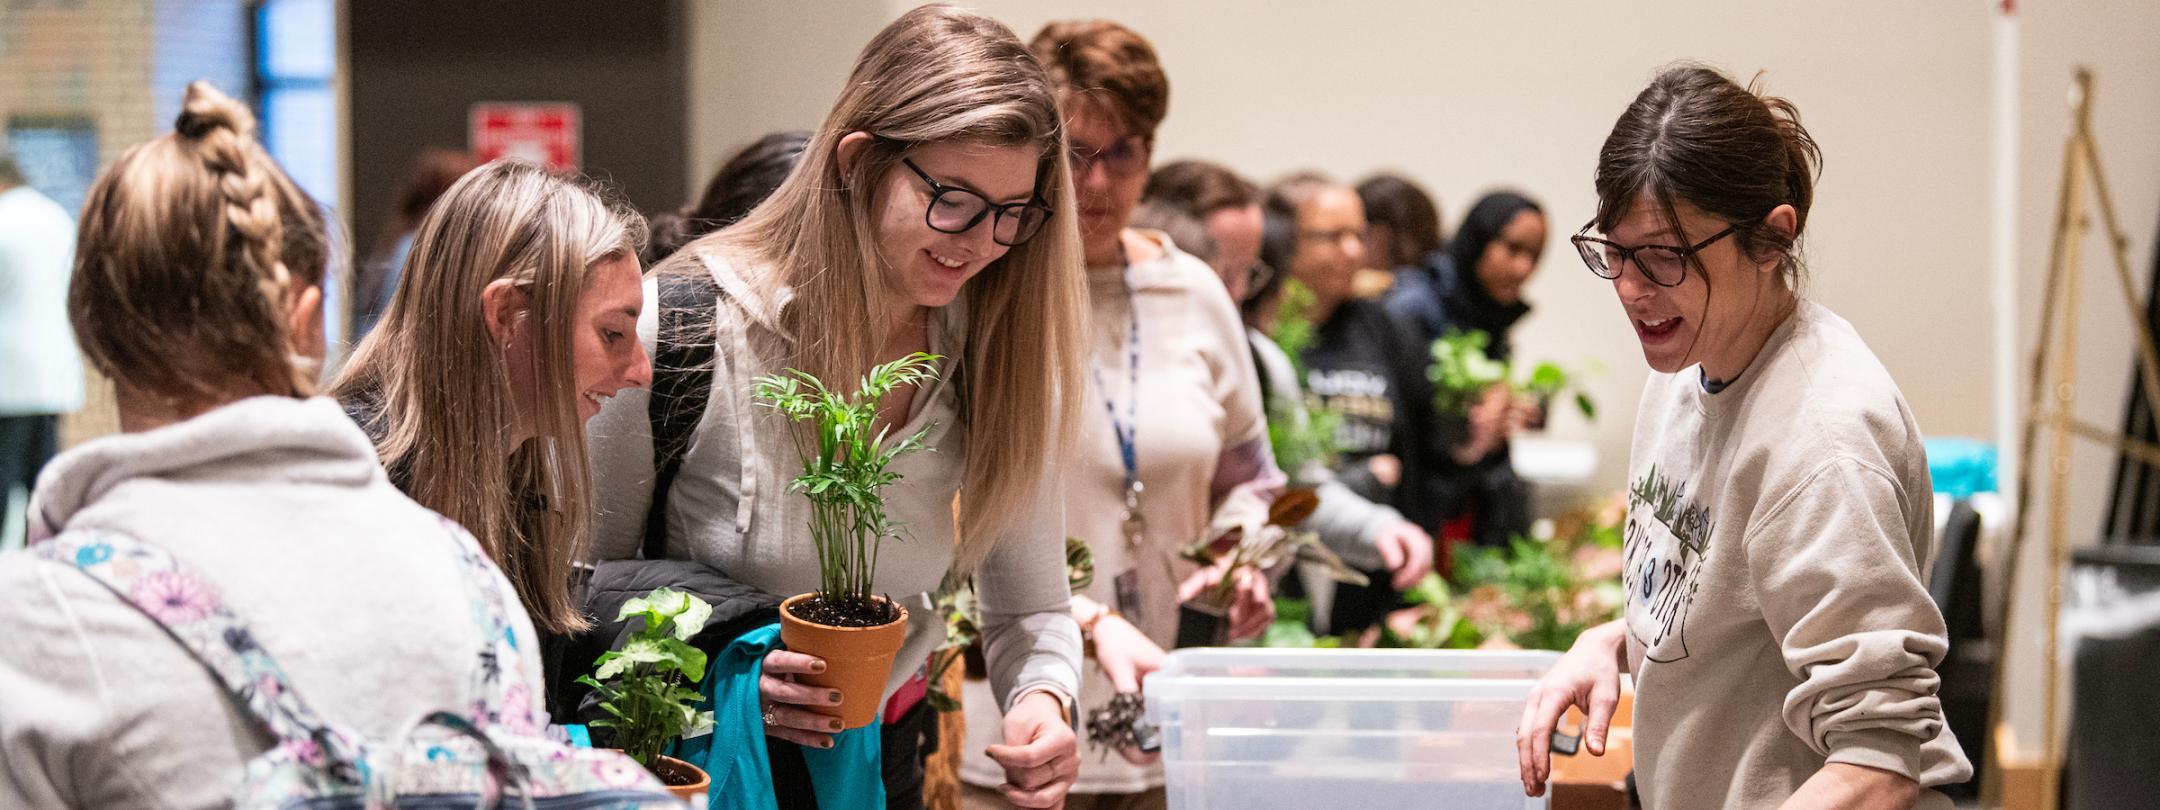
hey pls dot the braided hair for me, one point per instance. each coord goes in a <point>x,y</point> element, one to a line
<point>193,251</point>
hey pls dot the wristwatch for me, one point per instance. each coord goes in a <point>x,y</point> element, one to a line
<point>1067,707</point>
<point>1087,628</point>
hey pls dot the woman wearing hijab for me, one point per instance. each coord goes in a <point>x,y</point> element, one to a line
<point>1476,283</point>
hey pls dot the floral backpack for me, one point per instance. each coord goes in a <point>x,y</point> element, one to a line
<point>488,754</point>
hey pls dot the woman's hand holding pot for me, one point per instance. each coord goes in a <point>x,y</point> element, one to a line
<point>786,705</point>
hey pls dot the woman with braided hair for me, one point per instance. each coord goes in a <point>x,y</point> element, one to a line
<point>197,289</point>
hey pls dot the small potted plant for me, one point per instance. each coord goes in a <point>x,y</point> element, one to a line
<point>1203,621</point>
<point>846,468</point>
<point>646,687</point>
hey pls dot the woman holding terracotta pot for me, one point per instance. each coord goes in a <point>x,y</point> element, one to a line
<point>932,212</point>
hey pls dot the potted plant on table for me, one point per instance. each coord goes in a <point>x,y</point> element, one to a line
<point>846,467</point>
<point>646,686</point>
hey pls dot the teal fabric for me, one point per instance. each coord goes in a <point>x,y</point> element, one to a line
<point>1961,467</point>
<point>849,775</point>
<point>580,736</point>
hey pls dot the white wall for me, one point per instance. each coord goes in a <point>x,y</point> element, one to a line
<point>2113,37</point>
<point>1466,97</point>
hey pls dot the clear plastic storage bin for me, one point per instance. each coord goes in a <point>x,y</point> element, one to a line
<point>1249,728</point>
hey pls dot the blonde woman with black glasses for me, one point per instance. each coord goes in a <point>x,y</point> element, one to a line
<point>930,212</point>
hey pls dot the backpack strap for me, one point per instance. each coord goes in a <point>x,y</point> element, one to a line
<point>193,612</point>
<point>682,370</point>
<point>501,692</point>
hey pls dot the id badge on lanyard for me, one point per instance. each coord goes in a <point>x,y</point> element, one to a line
<point>1135,530</point>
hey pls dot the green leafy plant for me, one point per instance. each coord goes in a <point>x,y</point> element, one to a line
<point>1537,592</point>
<point>846,467</point>
<point>642,686</point>
<point>1292,628</point>
<point>1461,373</point>
<point>1301,447</point>
<point>1534,582</point>
<point>1440,623</point>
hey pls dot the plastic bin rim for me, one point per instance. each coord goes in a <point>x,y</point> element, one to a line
<point>1184,662</point>
<point>1340,689</point>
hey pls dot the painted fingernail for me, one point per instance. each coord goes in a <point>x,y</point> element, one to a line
<point>817,666</point>
<point>834,725</point>
<point>833,696</point>
<point>828,743</point>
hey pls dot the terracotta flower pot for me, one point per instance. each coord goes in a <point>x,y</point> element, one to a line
<point>857,659</point>
<point>683,780</point>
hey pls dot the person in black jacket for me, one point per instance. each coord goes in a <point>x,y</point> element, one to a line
<point>1476,283</point>
<point>1360,365</point>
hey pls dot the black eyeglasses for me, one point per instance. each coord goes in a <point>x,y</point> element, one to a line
<point>1664,265</point>
<point>1122,158</point>
<point>957,210</point>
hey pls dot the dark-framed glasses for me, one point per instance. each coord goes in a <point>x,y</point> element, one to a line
<point>953,209</point>
<point>1122,158</point>
<point>1664,265</point>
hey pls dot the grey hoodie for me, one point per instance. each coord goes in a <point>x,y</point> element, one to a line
<point>279,503</point>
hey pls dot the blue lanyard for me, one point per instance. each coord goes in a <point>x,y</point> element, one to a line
<point>1128,428</point>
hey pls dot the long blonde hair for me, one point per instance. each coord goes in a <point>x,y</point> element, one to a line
<point>937,74</point>
<point>191,250</point>
<point>440,383</point>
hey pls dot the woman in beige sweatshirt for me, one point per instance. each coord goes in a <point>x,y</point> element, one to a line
<point>1781,637</point>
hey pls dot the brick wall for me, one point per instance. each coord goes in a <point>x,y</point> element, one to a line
<point>117,66</point>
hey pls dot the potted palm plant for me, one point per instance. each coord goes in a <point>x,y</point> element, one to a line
<point>846,467</point>
<point>646,687</point>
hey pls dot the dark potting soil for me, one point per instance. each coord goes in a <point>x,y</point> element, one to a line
<point>672,774</point>
<point>846,613</point>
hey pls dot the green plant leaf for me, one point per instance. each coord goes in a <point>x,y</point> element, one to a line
<point>693,618</point>
<point>688,660</point>
<point>1079,564</point>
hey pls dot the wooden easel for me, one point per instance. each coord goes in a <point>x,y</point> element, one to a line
<point>2081,165</point>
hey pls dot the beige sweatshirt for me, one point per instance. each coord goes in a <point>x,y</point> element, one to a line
<point>1778,536</point>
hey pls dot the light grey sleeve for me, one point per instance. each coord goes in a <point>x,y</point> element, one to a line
<point>60,727</point>
<point>619,447</point>
<point>46,703</point>
<point>1348,523</point>
<point>1029,637</point>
